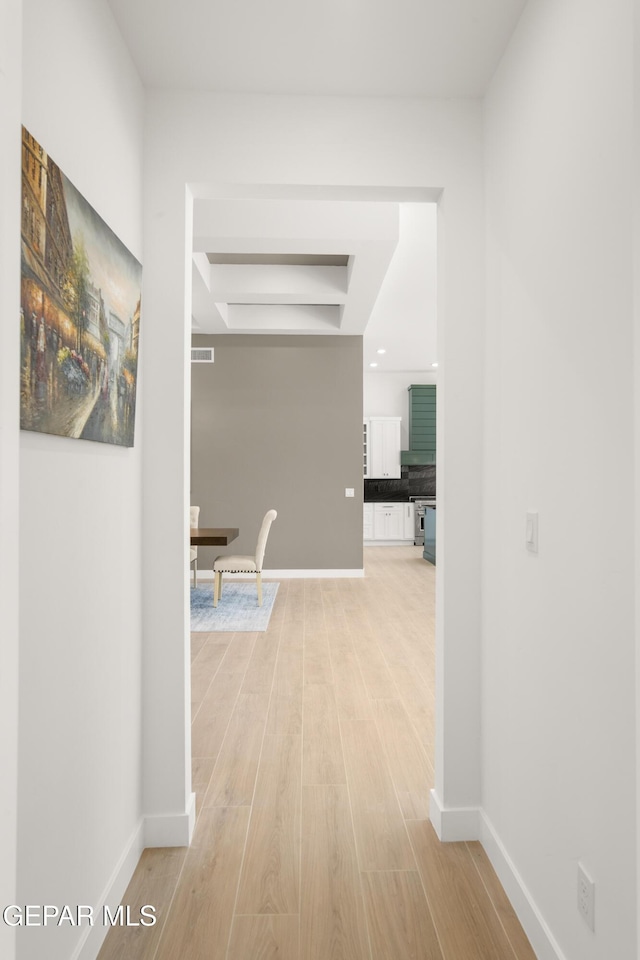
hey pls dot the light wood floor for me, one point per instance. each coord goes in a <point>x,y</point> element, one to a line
<point>312,764</point>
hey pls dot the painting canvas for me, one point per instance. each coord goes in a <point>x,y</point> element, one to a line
<point>79,312</point>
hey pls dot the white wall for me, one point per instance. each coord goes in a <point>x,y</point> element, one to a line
<point>636,263</point>
<point>403,318</point>
<point>387,395</point>
<point>10,89</point>
<point>221,144</point>
<point>80,521</point>
<point>558,627</point>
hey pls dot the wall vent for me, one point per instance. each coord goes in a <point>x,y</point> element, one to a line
<point>201,354</point>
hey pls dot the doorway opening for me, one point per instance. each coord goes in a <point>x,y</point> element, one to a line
<point>277,213</point>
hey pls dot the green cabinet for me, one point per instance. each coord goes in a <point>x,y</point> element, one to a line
<point>422,424</point>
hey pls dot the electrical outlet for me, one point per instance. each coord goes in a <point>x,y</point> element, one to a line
<point>586,897</point>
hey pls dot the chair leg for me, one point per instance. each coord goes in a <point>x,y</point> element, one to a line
<point>195,573</point>
<point>220,584</point>
<point>216,588</point>
<point>259,588</point>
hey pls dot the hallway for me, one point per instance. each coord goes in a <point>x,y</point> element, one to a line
<point>312,763</point>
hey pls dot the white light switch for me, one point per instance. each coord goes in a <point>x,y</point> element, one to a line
<point>349,492</point>
<point>531,538</point>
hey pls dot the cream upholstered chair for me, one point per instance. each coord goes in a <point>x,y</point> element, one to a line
<point>194,516</point>
<point>244,564</point>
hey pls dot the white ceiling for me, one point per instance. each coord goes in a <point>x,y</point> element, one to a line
<point>416,48</point>
<point>408,48</point>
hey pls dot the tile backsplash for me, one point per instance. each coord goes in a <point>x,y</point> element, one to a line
<point>415,481</point>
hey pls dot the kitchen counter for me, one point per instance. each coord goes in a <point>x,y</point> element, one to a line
<point>399,498</point>
<point>386,498</point>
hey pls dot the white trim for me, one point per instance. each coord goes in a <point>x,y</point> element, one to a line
<point>542,940</point>
<point>288,575</point>
<point>93,937</point>
<point>391,543</point>
<point>454,823</point>
<point>472,823</point>
<point>174,830</point>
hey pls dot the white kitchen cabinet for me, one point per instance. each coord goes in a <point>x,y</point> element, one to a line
<point>409,520</point>
<point>383,448</point>
<point>365,449</point>
<point>367,521</point>
<point>388,521</point>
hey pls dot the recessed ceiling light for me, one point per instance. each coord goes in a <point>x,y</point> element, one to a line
<point>435,364</point>
<point>373,364</point>
<point>381,350</point>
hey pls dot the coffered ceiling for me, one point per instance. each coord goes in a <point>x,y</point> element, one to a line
<point>323,266</point>
<point>320,267</point>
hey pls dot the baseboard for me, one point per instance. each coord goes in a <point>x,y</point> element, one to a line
<point>173,830</point>
<point>471,823</point>
<point>389,543</point>
<point>453,823</point>
<point>89,946</point>
<point>542,940</point>
<point>289,575</point>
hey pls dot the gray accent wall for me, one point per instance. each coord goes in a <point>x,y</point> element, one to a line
<point>276,421</point>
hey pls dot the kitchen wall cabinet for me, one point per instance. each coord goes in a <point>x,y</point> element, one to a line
<point>382,448</point>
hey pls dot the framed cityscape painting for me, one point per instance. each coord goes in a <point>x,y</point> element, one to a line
<point>79,312</point>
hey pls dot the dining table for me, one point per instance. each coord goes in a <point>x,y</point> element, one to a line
<point>213,536</point>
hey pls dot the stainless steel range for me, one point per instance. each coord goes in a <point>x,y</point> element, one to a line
<point>421,503</point>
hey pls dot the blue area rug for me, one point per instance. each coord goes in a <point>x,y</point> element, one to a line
<point>237,610</point>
